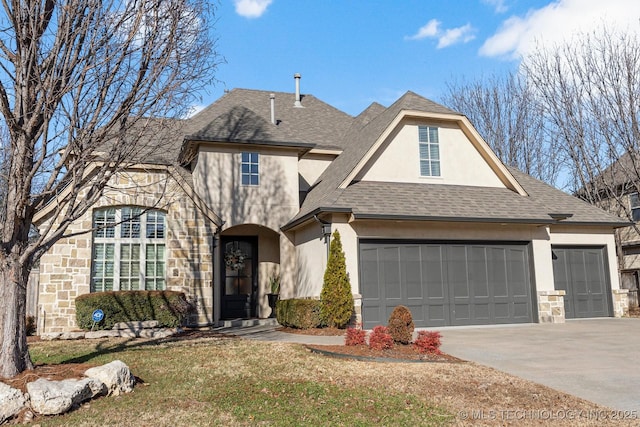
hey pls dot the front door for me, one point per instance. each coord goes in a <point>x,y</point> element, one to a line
<point>239,277</point>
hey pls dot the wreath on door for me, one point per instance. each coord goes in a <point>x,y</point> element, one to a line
<point>234,259</point>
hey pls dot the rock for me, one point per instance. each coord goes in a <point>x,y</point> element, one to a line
<point>97,387</point>
<point>101,334</point>
<point>166,332</point>
<point>11,402</point>
<point>134,326</point>
<point>72,336</point>
<point>50,336</point>
<point>57,397</point>
<point>115,375</point>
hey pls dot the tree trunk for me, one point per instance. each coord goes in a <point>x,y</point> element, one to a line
<point>14,354</point>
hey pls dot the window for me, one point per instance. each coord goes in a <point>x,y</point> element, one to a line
<point>249,169</point>
<point>429,151</point>
<point>634,201</point>
<point>128,249</point>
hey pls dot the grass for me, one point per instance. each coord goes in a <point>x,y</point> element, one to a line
<point>226,381</point>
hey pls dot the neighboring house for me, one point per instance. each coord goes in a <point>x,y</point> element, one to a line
<point>429,218</point>
<point>616,190</point>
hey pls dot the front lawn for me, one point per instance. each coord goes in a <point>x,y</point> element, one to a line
<point>231,381</point>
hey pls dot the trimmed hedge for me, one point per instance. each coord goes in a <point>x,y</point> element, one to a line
<point>169,308</point>
<point>298,313</point>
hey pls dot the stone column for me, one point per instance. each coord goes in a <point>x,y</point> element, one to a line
<point>551,306</point>
<point>620,302</point>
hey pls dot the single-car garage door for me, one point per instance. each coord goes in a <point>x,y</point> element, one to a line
<point>445,283</point>
<point>581,273</point>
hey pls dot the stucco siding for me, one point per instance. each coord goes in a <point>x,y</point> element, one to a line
<point>311,259</point>
<point>398,159</point>
<point>311,167</point>
<point>217,179</point>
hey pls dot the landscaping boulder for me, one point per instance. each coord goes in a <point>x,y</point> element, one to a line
<point>11,402</point>
<point>57,397</point>
<point>115,375</point>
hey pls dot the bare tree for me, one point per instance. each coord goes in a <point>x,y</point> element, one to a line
<point>590,89</point>
<point>80,80</point>
<point>506,113</point>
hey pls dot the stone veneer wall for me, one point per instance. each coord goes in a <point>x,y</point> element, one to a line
<point>65,270</point>
<point>620,302</point>
<point>551,306</point>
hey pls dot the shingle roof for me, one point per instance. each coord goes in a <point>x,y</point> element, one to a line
<point>362,134</point>
<point>245,115</point>
<point>435,201</point>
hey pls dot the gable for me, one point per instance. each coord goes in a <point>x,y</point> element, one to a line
<point>459,161</point>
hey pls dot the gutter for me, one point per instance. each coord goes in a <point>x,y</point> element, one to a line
<point>311,215</point>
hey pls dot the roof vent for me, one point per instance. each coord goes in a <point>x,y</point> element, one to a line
<point>297,77</point>
<point>272,97</point>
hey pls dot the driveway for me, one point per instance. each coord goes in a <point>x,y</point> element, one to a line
<point>596,359</point>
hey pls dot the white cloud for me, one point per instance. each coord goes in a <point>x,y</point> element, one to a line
<point>499,6</point>
<point>251,8</point>
<point>456,35</point>
<point>556,22</point>
<point>446,37</point>
<point>428,30</point>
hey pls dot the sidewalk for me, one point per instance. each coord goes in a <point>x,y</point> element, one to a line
<point>266,330</point>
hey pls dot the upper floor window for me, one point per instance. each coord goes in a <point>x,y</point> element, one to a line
<point>249,169</point>
<point>634,201</point>
<point>128,249</point>
<point>429,151</point>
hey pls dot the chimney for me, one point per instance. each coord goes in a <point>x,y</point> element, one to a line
<point>272,97</point>
<point>297,77</point>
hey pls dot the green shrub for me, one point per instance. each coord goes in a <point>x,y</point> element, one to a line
<point>298,313</point>
<point>401,325</point>
<point>169,308</point>
<point>336,296</point>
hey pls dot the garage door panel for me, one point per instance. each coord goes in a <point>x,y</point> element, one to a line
<point>478,275</point>
<point>518,273</point>
<point>457,272</point>
<point>434,274</point>
<point>411,267</point>
<point>448,284</point>
<point>581,273</point>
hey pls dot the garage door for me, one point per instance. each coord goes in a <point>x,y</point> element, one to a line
<point>582,274</point>
<point>445,283</point>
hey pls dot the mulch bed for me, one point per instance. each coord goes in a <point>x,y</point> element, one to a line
<point>399,353</point>
<point>314,331</point>
<point>49,372</point>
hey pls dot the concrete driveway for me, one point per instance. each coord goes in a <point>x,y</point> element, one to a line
<point>596,359</point>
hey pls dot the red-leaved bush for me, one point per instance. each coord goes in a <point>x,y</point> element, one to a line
<point>380,338</point>
<point>355,337</point>
<point>427,342</point>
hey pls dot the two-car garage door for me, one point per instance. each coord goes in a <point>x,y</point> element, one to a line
<point>445,283</point>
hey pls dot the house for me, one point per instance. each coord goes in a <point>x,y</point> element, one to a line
<point>616,189</point>
<point>257,182</point>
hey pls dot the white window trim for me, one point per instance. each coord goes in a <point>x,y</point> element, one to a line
<point>430,160</point>
<point>118,241</point>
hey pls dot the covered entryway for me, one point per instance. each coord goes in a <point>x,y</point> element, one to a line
<point>581,272</point>
<point>240,279</point>
<point>445,283</point>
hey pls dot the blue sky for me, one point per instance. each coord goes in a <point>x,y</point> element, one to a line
<point>354,52</point>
